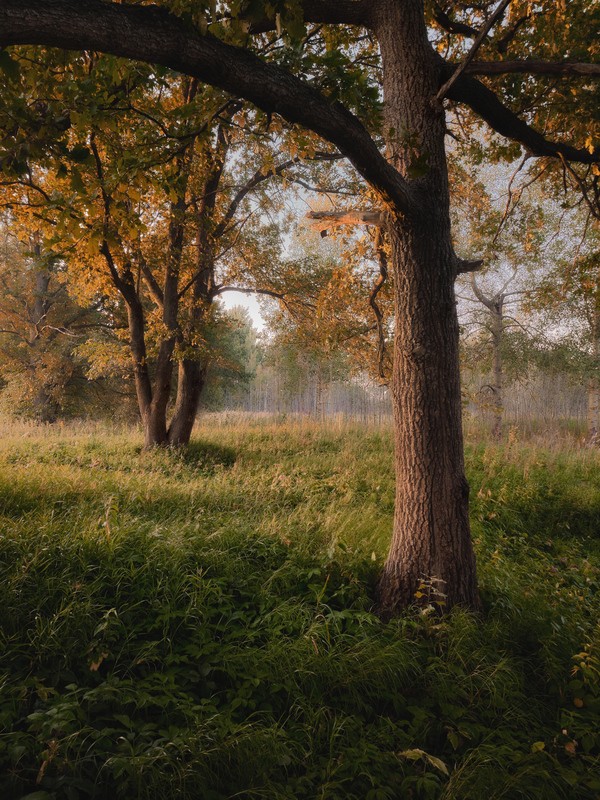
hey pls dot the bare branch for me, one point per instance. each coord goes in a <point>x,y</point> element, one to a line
<point>501,8</point>
<point>323,220</point>
<point>383,274</point>
<point>448,24</point>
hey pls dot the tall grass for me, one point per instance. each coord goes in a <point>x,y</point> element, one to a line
<point>199,625</point>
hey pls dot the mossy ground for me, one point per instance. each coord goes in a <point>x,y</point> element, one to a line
<point>199,625</point>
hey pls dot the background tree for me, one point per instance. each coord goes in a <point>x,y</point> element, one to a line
<point>157,196</point>
<point>570,293</point>
<point>40,328</point>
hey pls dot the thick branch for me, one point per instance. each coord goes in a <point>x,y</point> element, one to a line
<point>486,104</point>
<point>243,290</point>
<point>465,266</point>
<point>532,67</point>
<point>153,35</point>
<point>327,12</point>
<point>452,26</point>
<point>153,286</point>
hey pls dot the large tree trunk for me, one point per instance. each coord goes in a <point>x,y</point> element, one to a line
<point>431,557</point>
<point>191,376</point>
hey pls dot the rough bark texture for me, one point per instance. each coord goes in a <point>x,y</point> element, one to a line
<point>189,388</point>
<point>431,556</point>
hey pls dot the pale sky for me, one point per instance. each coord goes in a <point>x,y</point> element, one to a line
<point>248,301</point>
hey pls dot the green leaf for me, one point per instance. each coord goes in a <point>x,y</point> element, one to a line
<point>9,66</point>
<point>77,181</point>
<point>79,153</point>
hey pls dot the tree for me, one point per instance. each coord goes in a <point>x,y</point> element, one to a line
<point>572,290</point>
<point>40,328</point>
<point>431,542</point>
<point>149,193</point>
<point>511,244</point>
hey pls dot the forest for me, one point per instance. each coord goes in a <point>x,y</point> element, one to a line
<point>300,399</point>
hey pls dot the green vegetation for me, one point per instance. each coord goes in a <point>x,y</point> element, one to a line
<point>198,624</point>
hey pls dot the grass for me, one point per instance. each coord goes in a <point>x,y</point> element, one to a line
<point>199,625</point>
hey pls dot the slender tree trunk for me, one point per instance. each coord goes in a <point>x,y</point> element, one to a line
<point>431,556</point>
<point>498,385</point>
<point>44,408</point>
<point>141,376</point>
<point>593,389</point>
<point>191,375</point>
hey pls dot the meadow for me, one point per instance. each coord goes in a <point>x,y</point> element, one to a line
<point>200,624</point>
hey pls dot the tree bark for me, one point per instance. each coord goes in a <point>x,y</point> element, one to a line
<point>141,376</point>
<point>431,557</point>
<point>191,375</point>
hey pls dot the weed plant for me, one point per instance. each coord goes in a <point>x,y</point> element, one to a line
<point>200,625</point>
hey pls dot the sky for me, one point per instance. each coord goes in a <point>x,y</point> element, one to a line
<point>231,299</point>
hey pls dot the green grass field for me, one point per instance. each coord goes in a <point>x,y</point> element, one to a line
<point>199,625</point>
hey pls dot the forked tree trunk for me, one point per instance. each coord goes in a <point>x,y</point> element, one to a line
<point>191,375</point>
<point>431,556</point>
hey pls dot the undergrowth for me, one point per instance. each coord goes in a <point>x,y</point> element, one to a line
<point>200,625</point>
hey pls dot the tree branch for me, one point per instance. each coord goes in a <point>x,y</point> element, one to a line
<point>258,177</point>
<point>322,220</point>
<point>486,104</point>
<point>532,67</point>
<point>328,12</point>
<point>501,8</point>
<point>153,35</point>
<point>269,292</point>
<point>381,279</point>
<point>464,266</point>
<point>448,24</point>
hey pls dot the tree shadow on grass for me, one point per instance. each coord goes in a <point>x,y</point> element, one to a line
<point>207,455</point>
